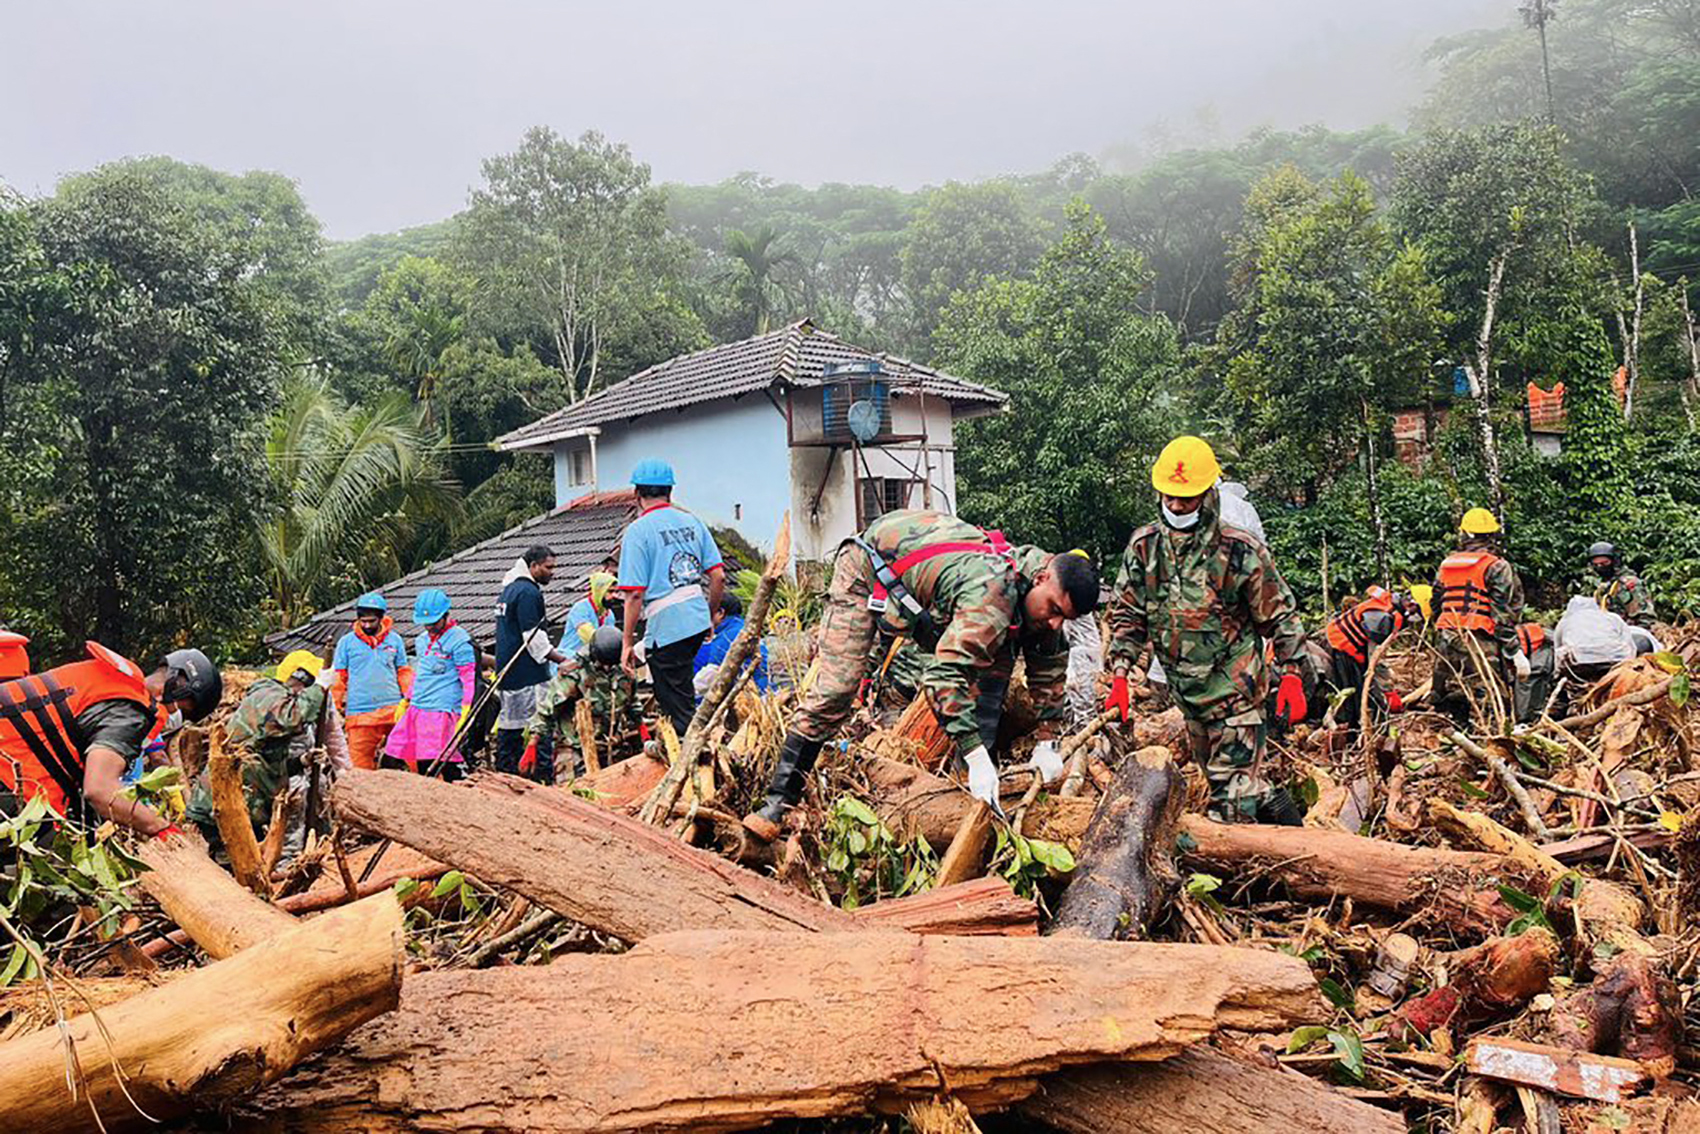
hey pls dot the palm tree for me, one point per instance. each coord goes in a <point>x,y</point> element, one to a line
<point>1538,14</point>
<point>353,484</point>
<point>755,286</point>
<point>416,348</point>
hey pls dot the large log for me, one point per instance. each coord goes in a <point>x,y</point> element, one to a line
<point>588,863</point>
<point>983,906</point>
<point>217,912</point>
<point>1124,874</point>
<point>723,1031</point>
<point>1201,1091</point>
<point>214,1036</point>
<point>914,803</point>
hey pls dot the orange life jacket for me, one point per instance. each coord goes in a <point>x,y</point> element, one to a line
<point>1464,600</point>
<point>1531,636</point>
<point>41,748</point>
<point>1346,631</point>
<point>14,655</point>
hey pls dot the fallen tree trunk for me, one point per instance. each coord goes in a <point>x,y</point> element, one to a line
<point>914,803</point>
<point>213,1036</point>
<point>230,812</point>
<point>215,910</point>
<point>596,866</point>
<point>980,907</point>
<point>822,1027</point>
<point>1201,1091</point>
<point>1124,875</point>
<point>623,781</point>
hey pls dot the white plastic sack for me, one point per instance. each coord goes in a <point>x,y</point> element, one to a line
<point>1085,659</point>
<point>1238,510</point>
<point>1588,635</point>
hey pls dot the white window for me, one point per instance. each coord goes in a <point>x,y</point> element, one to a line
<point>578,466</point>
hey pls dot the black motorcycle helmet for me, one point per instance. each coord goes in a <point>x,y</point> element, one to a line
<point>193,678</point>
<point>606,645</point>
<point>1604,550</point>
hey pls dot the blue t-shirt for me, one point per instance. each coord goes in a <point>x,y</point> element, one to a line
<point>372,680</point>
<point>436,669</point>
<point>583,612</point>
<point>518,612</point>
<point>665,555</point>
<point>713,651</point>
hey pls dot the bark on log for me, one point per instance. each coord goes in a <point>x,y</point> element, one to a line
<point>723,1031</point>
<point>214,1036</point>
<point>984,906</point>
<point>599,867</point>
<point>1201,1091</point>
<point>623,781</point>
<point>914,803</point>
<point>230,812</point>
<point>215,910</point>
<point>1124,875</point>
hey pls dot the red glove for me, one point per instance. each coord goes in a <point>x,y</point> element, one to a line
<point>643,731</point>
<point>1290,704</point>
<point>862,690</point>
<point>165,833</point>
<point>1119,697</point>
<point>528,761</point>
<point>1395,703</point>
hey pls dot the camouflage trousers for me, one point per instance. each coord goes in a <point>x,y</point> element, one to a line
<point>847,633</point>
<point>1230,750</point>
<point>1458,683</point>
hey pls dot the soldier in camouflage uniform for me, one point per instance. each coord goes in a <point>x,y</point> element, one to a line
<point>1621,591</point>
<point>1204,595</point>
<point>1044,658</point>
<point>594,674</point>
<point>969,600</point>
<point>1479,602</point>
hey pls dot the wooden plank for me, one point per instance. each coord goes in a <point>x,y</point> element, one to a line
<point>1603,1078</point>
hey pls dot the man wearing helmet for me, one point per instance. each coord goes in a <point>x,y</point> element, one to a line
<point>1203,595</point>
<point>1479,600</point>
<point>68,734</point>
<point>593,674</point>
<point>1620,591</point>
<point>1336,658</point>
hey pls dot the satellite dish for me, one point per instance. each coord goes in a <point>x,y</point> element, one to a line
<point>864,421</point>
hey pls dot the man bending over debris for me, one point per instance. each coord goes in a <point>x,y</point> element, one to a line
<point>1203,594</point>
<point>1336,658</point>
<point>969,599</point>
<point>593,674</point>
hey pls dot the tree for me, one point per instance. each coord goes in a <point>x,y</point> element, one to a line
<point>963,235</point>
<point>753,282</point>
<point>1086,373</point>
<point>570,240</point>
<point>1538,14</point>
<point>419,307</point>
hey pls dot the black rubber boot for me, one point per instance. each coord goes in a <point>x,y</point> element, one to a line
<point>796,759</point>
<point>1281,808</point>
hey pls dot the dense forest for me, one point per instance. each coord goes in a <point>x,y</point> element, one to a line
<point>214,421</point>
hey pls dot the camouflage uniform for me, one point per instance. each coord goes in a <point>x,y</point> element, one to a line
<point>612,694</point>
<point>975,603</point>
<point>1204,599</point>
<point>1627,596</point>
<point>278,726</point>
<point>1454,670</point>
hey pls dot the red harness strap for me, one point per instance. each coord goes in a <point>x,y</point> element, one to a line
<point>995,544</point>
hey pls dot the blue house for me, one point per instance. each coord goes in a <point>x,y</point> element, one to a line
<point>795,419</point>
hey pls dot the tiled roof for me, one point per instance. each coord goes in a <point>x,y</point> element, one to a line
<point>580,534</point>
<point>795,355</point>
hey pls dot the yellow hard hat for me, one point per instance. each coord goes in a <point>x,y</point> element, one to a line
<point>1187,467</point>
<point>1080,551</point>
<point>299,659</point>
<point>1423,595</point>
<point>1479,521</point>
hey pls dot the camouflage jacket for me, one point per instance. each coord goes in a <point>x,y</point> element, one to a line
<point>609,689</point>
<point>275,721</point>
<point>975,601</point>
<point>1627,596</point>
<point>1505,592</point>
<point>1203,599</point>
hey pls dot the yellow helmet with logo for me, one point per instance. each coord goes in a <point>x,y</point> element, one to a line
<point>1187,467</point>
<point>299,659</point>
<point>1479,521</point>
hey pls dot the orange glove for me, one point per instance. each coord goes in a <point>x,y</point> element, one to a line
<point>1119,698</point>
<point>1290,704</point>
<point>528,760</point>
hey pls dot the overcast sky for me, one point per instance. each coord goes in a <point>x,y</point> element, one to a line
<point>382,109</point>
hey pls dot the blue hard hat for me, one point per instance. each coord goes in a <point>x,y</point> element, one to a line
<point>432,604</point>
<point>653,474</point>
<point>372,600</point>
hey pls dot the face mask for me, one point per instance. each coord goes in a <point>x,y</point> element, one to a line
<point>173,722</point>
<point>1177,520</point>
<point>1603,570</point>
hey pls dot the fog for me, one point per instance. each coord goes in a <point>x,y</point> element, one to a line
<point>382,109</point>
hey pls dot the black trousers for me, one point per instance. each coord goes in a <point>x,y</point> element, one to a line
<point>671,668</point>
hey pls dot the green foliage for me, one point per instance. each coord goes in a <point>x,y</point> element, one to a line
<point>962,236</point>
<point>866,859</point>
<point>1024,863</point>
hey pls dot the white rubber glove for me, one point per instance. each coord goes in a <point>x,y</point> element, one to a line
<point>1520,663</point>
<point>1047,761</point>
<point>325,678</point>
<point>983,778</point>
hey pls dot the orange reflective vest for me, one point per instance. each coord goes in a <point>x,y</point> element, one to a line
<point>1346,631</point>
<point>1464,600</point>
<point>41,747</point>
<point>1531,636</point>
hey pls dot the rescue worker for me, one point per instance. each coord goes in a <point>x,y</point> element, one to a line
<point>1531,694</point>
<point>279,721</point>
<point>523,658</point>
<point>594,674</point>
<point>445,676</point>
<point>67,735</point>
<point>728,624</point>
<point>370,678</point>
<point>968,599</point>
<point>1202,595</point>
<point>1620,591</point>
<point>672,577</point>
<point>588,613</point>
<point>1480,601</point>
<point>1350,638</point>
